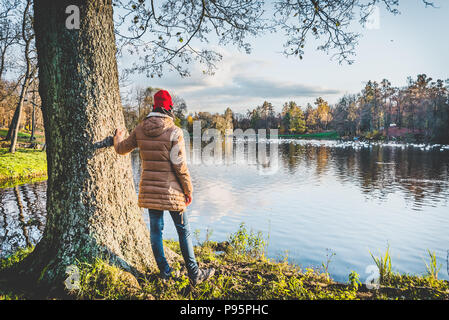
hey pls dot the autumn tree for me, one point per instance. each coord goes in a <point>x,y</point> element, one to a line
<point>323,113</point>
<point>440,110</point>
<point>311,118</point>
<point>27,37</point>
<point>8,99</point>
<point>345,116</point>
<point>371,106</point>
<point>421,107</point>
<point>144,101</point>
<point>229,118</point>
<point>387,92</point>
<point>293,118</point>
<point>179,110</point>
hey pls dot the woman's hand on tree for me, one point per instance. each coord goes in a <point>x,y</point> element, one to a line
<point>119,134</point>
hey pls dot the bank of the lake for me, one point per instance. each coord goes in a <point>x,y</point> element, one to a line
<point>28,165</point>
<point>24,166</point>
<point>328,135</point>
<point>242,272</point>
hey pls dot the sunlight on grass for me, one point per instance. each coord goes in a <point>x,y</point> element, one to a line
<point>23,166</point>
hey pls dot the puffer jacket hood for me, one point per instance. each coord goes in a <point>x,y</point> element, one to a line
<point>154,126</point>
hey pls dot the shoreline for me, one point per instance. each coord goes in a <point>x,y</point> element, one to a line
<point>367,143</point>
<point>242,272</point>
<point>29,165</point>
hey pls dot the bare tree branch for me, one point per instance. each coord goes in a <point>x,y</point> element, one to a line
<point>169,35</point>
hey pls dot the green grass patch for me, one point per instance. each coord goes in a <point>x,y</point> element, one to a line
<point>23,136</point>
<point>243,272</point>
<point>23,166</point>
<point>7,262</point>
<point>100,280</point>
<point>14,258</point>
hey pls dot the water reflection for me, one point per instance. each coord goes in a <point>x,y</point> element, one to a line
<point>22,216</point>
<point>421,175</point>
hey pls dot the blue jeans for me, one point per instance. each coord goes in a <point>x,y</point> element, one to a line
<point>185,241</point>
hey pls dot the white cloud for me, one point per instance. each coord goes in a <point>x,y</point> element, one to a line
<point>240,82</point>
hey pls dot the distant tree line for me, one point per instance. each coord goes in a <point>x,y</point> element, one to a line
<point>421,109</point>
<point>9,98</point>
<point>418,111</point>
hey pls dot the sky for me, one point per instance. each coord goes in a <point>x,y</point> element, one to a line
<point>393,47</point>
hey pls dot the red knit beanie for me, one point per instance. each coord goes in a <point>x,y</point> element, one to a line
<point>162,99</point>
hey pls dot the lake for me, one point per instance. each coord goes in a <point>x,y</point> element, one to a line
<point>323,199</point>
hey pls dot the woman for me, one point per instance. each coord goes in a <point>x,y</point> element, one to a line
<point>165,182</point>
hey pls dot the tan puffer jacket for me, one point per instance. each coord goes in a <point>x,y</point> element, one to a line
<point>165,178</point>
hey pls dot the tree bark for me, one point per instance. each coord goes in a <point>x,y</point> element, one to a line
<point>33,118</point>
<point>91,200</point>
<point>12,125</point>
<point>16,125</point>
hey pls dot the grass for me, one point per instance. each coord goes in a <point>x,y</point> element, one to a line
<point>242,272</point>
<point>24,166</point>
<point>16,257</point>
<point>19,255</point>
<point>23,136</point>
<point>432,267</point>
<point>383,264</point>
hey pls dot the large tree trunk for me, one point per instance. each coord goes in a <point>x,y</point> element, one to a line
<point>91,200</point>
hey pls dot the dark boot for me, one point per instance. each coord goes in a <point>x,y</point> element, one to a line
<point>203,275</point>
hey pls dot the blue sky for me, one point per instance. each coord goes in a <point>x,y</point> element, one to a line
<point>404,45</point>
